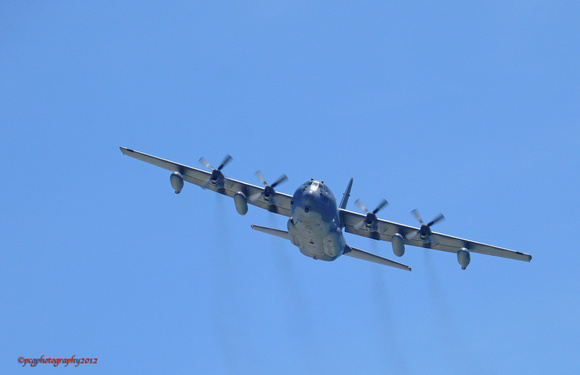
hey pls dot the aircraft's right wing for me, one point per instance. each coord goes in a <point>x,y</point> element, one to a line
<point>231,186</point>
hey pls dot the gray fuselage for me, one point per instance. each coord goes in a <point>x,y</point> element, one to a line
<point>315,224</point>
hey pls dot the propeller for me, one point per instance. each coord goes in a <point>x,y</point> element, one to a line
<point>425,230</point>
<point>269,189</point>
<point>371,216</point>
<point>216,173</point>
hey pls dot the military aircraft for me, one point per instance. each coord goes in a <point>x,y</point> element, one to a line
<point>316,223</point>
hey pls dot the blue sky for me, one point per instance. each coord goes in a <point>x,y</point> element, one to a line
<point>467,109</point>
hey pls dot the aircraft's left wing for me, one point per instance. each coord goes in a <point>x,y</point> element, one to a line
<point>387,229</point>
<point>231,186</point>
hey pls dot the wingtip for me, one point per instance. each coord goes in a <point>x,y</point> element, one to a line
<point>125,150</point>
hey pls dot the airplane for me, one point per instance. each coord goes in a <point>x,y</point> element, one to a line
<point>316,223</point>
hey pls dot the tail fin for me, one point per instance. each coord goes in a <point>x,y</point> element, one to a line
<point>345,196</point>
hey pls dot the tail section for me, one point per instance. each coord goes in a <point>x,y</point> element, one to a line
<point>346,195</point>
<point>356,253</point>
<point>271,231</point>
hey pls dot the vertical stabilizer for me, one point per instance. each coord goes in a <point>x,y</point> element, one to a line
<point>345,196</point>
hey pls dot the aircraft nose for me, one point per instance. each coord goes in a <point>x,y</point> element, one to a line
<point>309,201</point>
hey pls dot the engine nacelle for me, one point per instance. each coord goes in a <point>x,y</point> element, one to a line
<point>241,203</point>
<point>176,182</point>
<point>398,245</point>
<point>463,257</point>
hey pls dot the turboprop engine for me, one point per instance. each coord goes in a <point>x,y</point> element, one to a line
<point>176,181</point>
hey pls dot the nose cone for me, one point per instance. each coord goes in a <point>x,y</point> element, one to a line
<point>309,200</point>
<point>314,197</point>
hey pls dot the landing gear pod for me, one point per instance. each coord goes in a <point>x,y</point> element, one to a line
<point>398,245</point>
<point>176,182</point>
<point>463,257</point>
<point>241,203</point>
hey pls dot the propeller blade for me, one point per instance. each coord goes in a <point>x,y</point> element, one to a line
<point>412,235</point>
<point>415,213</point>
<point>280,180</point>
<point>203,161</point>
<point>361,205</point>
<point>380,206</point>
<point>359,226</point>
<point>227,159</point>
<point>436,220</point>
<point>206,184</point>
<point>261,177</point>
<point>255,197</point>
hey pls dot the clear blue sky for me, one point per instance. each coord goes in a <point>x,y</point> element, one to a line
<point>467,109</point>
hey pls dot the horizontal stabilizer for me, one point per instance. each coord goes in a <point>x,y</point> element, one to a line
<point>274,232</point>
<point>356,253</point>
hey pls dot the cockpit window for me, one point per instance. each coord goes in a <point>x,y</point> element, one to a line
<point>314,185</point>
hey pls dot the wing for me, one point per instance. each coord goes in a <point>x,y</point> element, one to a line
<point>231,186</point>
<point>387,229</point>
